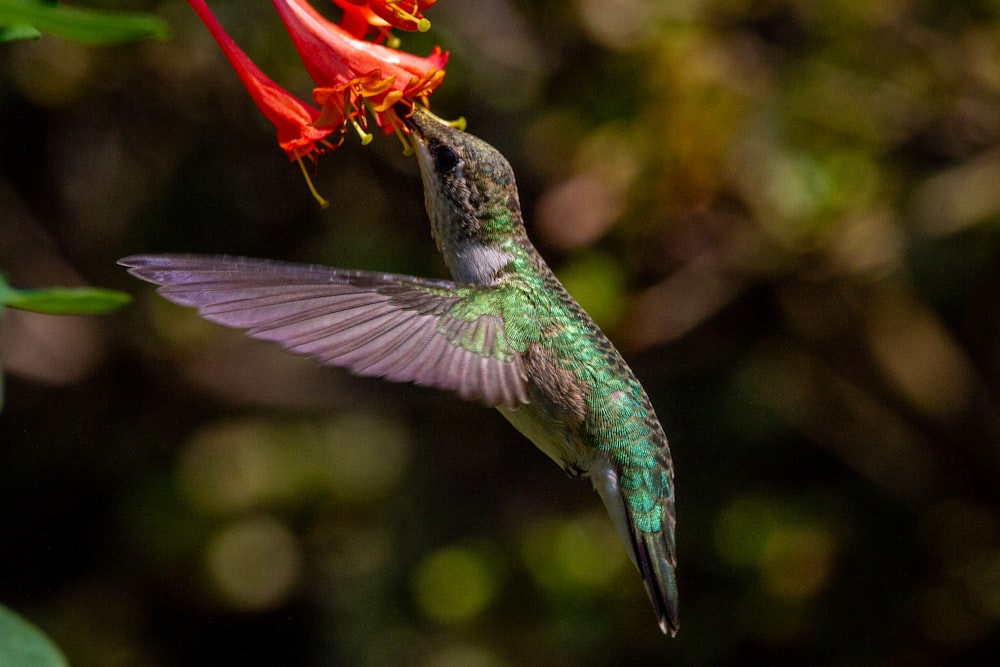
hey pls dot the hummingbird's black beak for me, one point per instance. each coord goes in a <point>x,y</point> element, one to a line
<point>406,111</point>
<point>419,120</point>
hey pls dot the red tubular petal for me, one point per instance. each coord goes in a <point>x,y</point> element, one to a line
<point>291,117</point>
<point>332,56</point>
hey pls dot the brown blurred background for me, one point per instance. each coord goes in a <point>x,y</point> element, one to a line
<point>785,213</point>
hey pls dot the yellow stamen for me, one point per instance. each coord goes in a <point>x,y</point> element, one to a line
<point>391,40</point>
<point>366,137</point>
<point>403,139</point>
<point>423,25</point>
<point>323,203</point>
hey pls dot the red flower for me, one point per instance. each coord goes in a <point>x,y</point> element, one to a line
<point>351,72</point>
<point>360,20</point>
<point>293,118</point>
<point>402,14</point>
<point>352,75</point>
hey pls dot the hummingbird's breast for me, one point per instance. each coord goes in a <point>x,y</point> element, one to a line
<point>556,416</point>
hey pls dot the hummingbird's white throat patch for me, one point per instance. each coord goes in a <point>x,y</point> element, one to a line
<point>472,262</point>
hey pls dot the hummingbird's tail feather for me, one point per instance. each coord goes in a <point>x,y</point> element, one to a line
<point>657,561</point>
<point>653,552</point>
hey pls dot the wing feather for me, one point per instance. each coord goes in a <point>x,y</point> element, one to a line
<point>374,324</point>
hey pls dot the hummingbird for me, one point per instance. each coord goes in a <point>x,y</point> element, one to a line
<point>503,332</point>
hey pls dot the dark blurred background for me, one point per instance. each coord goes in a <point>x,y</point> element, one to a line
<point>785,213</point>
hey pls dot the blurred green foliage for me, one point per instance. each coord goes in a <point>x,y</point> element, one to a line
<point>20,19</point>
<point>56,301</point>
<point>786,215</point>
<point>23,644</point>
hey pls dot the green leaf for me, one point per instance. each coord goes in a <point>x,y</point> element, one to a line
<point>62,301</point>
<point>21,643</point>
<point>12,33</point>
<point>76,301</point>
<point>81,25</point>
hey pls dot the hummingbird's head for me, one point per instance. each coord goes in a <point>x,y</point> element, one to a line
<point>470,195</point>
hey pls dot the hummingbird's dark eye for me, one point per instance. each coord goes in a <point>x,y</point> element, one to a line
<point>445,159</point>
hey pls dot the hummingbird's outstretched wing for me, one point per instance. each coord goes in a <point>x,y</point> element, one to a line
<point>374,324</point>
